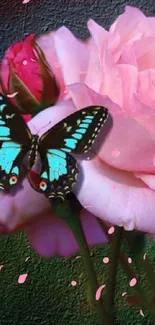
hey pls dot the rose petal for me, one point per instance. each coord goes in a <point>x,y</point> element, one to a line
<point>68,48</point>
<point>51,235</point>
<point>133,141</point>
<point>146,87</point>
<point>123,206</point>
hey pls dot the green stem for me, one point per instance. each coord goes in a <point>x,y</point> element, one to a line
<point>140,291</point>
<point>140,262</point>
<point>70,211</point>
<point>112,271</point>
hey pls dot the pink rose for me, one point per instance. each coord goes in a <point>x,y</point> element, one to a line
<point>115,68</point>
<point>112,189</point>
<point>26,76</point>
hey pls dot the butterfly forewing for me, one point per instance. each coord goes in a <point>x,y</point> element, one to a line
<point>15,139</point>
<point>77,132</point>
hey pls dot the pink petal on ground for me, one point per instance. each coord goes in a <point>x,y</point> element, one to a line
<point>123,294</point>
<point>68,48</point>
<point>73,283</point>
<point>22,278</point>
<point>144,257</point>
<point>1,266</point>
<point>129,260</point>
<point>105,260</point>
<point>51,235</point>
<point>99,291</point>
<point>141,313</point>
<point>133,282</point>
<point>123,207</point>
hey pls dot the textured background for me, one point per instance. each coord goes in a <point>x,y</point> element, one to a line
<point>47,296</point>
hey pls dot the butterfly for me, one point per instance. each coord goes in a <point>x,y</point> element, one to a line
<point>59,170</point>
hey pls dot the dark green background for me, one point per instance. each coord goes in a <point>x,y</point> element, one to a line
<point>47,297</point>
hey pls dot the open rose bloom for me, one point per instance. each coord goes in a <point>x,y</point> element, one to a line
<point>115,69</point>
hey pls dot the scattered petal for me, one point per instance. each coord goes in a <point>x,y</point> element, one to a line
<point>129,260</point>
<point>25,1</point>
<point>105,260</point>
<point>22,278</point>
<point>73,283</point>
<point>1,266</point>
<point>133,282</point>
<point>25,62</point>
<point>123,294</point>
<point>98,292</point>
<point>144,257</point>
<point>111,230</point>
<point>27,258</point>
<point>78,257</point>
<point>88,206</point>
<point>115,153</point>
<point>12,95</point>
<point>141,312</point>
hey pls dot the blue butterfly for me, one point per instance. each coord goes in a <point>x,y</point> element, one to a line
<point>75,134</point>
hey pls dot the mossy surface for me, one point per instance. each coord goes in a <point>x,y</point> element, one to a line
<point>47,296</point>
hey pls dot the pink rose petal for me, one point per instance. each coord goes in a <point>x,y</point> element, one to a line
<point>73,283</point>
<point>129,260</point>
<point>141,313</point>
<point>98,292</point>
<point>105,260</point>
<point>111,230</point>
<point>133,282</point>
<point>12,95</point>
<point>22,278</point>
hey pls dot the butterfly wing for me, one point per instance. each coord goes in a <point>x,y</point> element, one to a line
<point>74,134</point>
<point>15,138</point>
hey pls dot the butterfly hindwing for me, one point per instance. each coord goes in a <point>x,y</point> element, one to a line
<point>58,175</point>
<point>14,140</point>
<point>77,132</point>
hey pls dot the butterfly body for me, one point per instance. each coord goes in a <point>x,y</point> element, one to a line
<point>59,169</point>
<point>33,152</point>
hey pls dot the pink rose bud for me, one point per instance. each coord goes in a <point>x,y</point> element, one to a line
<point>26,77</point>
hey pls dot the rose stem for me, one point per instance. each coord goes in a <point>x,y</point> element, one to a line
<point>69,210</point>
<point>140,291</point>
